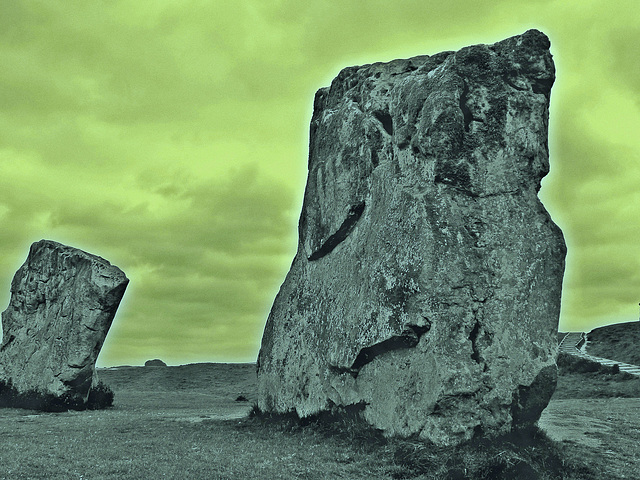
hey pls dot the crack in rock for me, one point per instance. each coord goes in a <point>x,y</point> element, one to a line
<point>385,119</point>
<point>467,114</point>
<point>542,86</point>
<point>355,212</point>
<point>409,338</point>
<point>473,336</point>
<point>7,343</point>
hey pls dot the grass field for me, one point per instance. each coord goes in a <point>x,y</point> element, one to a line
<point>191,422</point>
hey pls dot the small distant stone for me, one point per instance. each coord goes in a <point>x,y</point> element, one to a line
<point>155,363</point>
<point>242,398</point>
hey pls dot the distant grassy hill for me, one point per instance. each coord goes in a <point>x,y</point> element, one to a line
<point>582,378</point>
<point>184,386</point>
<point>620,341</point>
<point>183,377</point>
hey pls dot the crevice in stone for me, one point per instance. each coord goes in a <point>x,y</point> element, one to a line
<point>467,115</point>
<point>473,336</point>
<point>409,338</point>
<point>509,82</point>
<point>355,212</point>
<point>374,158</point>
<point>341,370</point>
<point>515,191</point>
<point>385,119</point>
<point>542,85</point>
<point>403,143</point>
<point>8,342</point>
<point>456,175</point>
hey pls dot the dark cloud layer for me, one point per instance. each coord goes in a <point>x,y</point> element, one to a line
<point>171,139</point>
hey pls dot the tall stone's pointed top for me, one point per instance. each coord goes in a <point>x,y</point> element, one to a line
<point>426,286</point>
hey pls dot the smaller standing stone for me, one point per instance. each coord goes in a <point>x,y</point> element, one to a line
<point>63,301</point>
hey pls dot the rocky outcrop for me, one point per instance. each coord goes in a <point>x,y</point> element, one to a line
<point>155,363</point>
<point>426,286</point>
<point>63,301</point>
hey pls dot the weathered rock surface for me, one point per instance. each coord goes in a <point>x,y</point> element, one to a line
<point>63,301</point>
<point>426,286</point>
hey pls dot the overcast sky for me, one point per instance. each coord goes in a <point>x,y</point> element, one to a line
<point>171,138</point>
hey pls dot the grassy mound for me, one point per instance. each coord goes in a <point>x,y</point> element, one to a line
<point>617,342</point>
<point>573,364</point>
<point>582,378</point>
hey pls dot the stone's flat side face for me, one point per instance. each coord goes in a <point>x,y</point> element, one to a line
<point>63,301</point>
<point>426,286</point>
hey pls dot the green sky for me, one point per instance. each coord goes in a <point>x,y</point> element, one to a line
<point>171,138</point>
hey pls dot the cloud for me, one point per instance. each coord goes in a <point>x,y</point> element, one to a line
<point>201,256</point>
<point>136,144</point>
<point>172,140</point>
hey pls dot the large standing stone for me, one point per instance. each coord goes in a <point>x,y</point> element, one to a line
<point>63,301</point>
<point>426,286</point>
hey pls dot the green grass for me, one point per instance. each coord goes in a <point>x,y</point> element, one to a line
<point>115,444</point>
<point>185,422</point>
<point>66,447</point>
<point>527,454</point>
